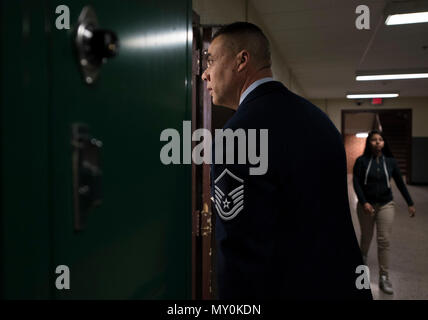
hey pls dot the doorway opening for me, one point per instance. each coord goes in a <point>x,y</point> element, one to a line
<point>396,124</point>
<point>209,116</point>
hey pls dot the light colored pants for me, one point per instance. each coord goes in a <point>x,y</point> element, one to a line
<point>383,217</point>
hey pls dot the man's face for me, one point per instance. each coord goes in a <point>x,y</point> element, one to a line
<point>221,75</point>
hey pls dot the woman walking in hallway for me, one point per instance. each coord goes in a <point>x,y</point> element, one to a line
<point>372,173</point>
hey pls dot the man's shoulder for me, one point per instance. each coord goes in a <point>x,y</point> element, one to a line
<point>274,96</point>
<point>266,90</point>
<point>259,107</point>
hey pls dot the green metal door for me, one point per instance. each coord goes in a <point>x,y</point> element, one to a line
<point>137,244</point>
<point>25,261</point>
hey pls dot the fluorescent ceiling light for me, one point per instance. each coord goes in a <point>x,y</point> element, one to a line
<point>362,135</point>
<point>374,95</point>
<point>407,18</point>
<point>405,12</point>
<point>397,76</point>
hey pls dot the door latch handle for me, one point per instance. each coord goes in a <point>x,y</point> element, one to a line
<point>87,173</point>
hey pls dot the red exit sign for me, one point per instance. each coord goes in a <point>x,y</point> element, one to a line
<point>377,101</point>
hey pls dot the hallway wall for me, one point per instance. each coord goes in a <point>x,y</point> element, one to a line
<point>354,148</point>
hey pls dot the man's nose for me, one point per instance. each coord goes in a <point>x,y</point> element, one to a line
<point>205,76</point>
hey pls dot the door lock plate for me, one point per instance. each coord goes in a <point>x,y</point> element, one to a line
<point>94,45</point>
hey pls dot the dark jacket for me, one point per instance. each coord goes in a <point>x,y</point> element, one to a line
<point>293,235</point>
<point>376,189</point>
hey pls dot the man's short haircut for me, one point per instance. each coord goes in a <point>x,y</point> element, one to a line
<point>248,36</point>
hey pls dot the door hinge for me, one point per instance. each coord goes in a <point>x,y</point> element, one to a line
<point>206,225</point>
<point>196,223</point>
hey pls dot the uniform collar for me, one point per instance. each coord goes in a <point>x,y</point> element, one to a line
<point>254,85</point>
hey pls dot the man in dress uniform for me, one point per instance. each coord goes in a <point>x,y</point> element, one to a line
<point>284,232</point>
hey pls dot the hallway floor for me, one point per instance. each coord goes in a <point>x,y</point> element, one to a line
<point>409,247</point>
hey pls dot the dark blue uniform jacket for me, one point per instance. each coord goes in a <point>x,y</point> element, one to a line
<point>287,233</point>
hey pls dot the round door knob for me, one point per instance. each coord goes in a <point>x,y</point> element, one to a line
<point>104,44</point>
<point>94,46</point>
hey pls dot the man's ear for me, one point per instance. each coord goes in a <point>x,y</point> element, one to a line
<point>243,60</point>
